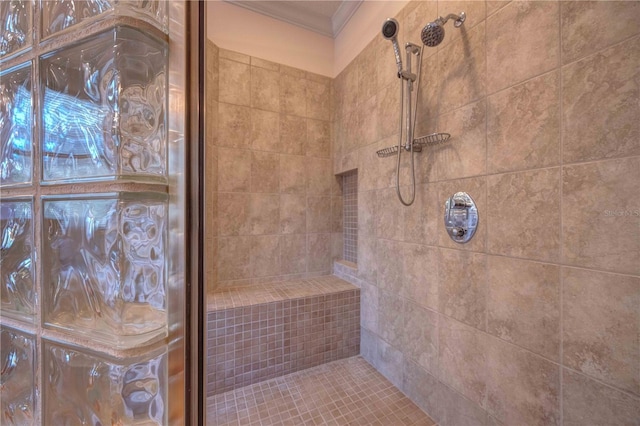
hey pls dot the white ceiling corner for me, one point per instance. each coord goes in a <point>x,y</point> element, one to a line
<point>327,18</point>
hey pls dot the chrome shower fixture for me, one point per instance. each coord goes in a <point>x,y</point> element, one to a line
<point>390,29</point>
<point>433,33</point>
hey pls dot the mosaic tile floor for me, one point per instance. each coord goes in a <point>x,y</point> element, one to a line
<point>344,392</point>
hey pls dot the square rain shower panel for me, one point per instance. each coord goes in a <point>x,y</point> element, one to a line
<point>104,109</point>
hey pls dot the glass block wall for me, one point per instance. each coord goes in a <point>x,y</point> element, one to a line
<point>83,212</point>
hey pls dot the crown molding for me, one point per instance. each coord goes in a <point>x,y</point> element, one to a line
<point>295,13</point>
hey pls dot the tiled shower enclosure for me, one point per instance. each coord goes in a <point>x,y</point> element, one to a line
<point>83,212</point>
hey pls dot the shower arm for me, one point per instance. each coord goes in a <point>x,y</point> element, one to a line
<point>459,19</point>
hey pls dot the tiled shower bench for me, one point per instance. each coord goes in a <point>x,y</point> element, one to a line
<point>261,331</point>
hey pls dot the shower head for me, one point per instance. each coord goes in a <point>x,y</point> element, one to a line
<point>433,33</point>
<point>390,29</point>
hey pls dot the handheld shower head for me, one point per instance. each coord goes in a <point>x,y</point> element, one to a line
<point>390,29</point>
<point>433,33</point>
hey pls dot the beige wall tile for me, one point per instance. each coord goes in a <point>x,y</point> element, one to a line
<point>391,314</point>
<point>293,134</point>
<point>586,401</point>
<point>420,336</point>
<point>368,259</point>
<point>523,126</point>
<point>319,253</point>
<point>234,170</point>
<point>420,279</point>
<point>265,214</point>
<point>598,211</point>
<point>318,176</point>
<point>318,214</point>
<point>462,358</point>
<point>389,272</point>
<point>337,214</point>
<point>234,56</point>
<point>523,214</point>
<point>318,143</point>
<point>522,388</point>
<point>387,70</point>
<point>462,69</point>
<point>369,123</point>
<point>424,216</point>
<point>465,153</point>
<point>494,5</point>
<point>337,246</point>
<point>369,307</point>
<point>388,361</point>
<point>265,130</point>
<point>462,286</point>
<point>262,63</point>
<point>590,26</point>
<point>601,314</point>
<point>293,213</point>
<point>423,389</point>
<point>458,410</point>
<point>351,131</point>
<point>523,304</point>
<point>600,104</point>
<point>293,174</point>
<point>234,214</point>
<point>522,42</point>
<point>293,254</point>
<point>234,127</point>
<point>265,89</point>
<point>234,260</point>
<point>235,79</point>
<point>265,172</point>
<point>367,206</point>
<point>367,70</point>
<point>369,168</point>
<point>318,100</point>
<point>265,256</point>
<point>293,93</point>
<point>389,215</point>
<point>388,107</point>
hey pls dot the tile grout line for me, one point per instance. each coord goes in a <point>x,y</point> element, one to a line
<point>561,230</point>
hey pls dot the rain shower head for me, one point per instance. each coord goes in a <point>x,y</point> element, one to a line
<point>390,29</point>
<point>433,33</point>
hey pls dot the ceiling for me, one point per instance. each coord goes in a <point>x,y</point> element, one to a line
<point>323,17</point>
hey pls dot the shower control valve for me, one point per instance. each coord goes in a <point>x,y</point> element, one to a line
<point>460,217</point>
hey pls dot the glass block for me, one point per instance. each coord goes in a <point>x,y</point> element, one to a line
<point>16,25</point>
<point>58,15</point>
<point>86,388</point>
<point>105,263</point>
<point>104,109</point>
<point>17,377</point>
<point>16,118</point>
<point>17,294</point>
